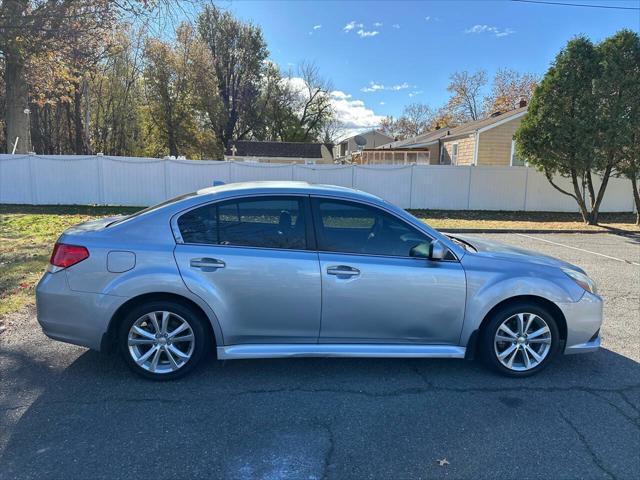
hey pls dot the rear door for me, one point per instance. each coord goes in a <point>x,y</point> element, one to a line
<point>373,291</point>
<point>253,261</point>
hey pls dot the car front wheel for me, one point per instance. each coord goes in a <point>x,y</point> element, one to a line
<point>520,340</point>
<point>162,340</point>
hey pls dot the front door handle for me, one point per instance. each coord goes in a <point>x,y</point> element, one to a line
<point>207,263</point>
<point>343,271</point>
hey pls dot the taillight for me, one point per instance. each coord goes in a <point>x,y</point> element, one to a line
<point>63,255</point>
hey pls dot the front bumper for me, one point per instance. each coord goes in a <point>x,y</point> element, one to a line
<point>73,317</point>
<point>584,319</point>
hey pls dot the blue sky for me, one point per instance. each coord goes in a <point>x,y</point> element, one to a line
<point>382,55</point>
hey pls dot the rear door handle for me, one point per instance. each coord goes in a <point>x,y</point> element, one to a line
<point>343,271</point>
<point>207,263</point>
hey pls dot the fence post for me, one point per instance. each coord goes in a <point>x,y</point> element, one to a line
<point>100,160</point>
<point>32,181</point>
<point>526,188</point>
<point>469,189</point>
<point>411,187</point>
<point>166,178</point>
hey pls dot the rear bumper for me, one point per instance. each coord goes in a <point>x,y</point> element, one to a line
<point>584,319</point>
<point>73,317</point>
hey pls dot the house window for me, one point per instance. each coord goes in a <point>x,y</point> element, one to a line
<point>454,154</point>
<point>423,158</point>
<point>515,161</point>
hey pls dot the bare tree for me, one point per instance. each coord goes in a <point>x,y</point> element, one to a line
<point>416,119</point>
<point>312,103</point>
<point>466,102</point>
<point>507,89</point>
<point>237,52</point>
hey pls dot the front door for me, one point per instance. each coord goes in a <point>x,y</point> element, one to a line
<point>248,259</point>
<point>373,291</point>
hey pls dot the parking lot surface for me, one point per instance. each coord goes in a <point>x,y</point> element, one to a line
<point>66,412</point>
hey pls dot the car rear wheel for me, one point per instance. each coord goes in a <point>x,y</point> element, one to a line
<point>520,340</point>
<point>162,340</point>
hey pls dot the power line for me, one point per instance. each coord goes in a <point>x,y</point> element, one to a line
<point>612,7</point>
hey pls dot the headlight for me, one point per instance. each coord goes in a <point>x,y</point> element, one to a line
<point>581,279</point>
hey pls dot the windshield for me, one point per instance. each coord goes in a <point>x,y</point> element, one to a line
<point>152,208</point>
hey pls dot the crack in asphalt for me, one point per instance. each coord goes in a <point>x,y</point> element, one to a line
<point>635,420</point>
<point>586,445</point>
<point>328,457</point>
<point>630,403</point>
<point>388,394</point>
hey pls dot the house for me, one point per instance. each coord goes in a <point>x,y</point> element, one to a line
<point>347,146</point>
<point>280,152</point>
<point>488,141</point>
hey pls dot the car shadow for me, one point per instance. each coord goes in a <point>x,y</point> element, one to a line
<point>321,417</point>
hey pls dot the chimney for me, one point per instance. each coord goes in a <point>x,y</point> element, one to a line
<point>522,103</point>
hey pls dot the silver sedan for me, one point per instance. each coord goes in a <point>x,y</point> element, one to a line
<point>284,269</point>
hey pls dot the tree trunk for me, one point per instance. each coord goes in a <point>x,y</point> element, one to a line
<point>171,139</point>
<point>636,197</point>
<point>595,210</point>
<point>87,117</point>
<point>37,137</point>
<point>78,146</point>
<point>586,216</point>
<point>591,189</point>
<point>17,101</point>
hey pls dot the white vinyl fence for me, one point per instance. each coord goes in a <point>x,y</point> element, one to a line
<point>102,180</point>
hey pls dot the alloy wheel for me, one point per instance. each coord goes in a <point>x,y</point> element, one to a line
<point>522,341</point>
<point>161,342</point>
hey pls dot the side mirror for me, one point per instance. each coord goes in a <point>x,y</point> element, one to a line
<point>437,251</point>
<point>433,251</point>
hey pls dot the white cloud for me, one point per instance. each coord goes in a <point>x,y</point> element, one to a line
<point>402,86</point>
<point>377,24</point>
<point>353,114</point>
<point>427,18</point>
<point>372,87</point>
<point>367,33</point>
<point>396,25</point>
<point>382,103</point>
<point>414,93</point>
<point>337,94</point>
<point>317,27</point>
<point>491,30</point>
<point>351,25</point>
<point>376,87</point>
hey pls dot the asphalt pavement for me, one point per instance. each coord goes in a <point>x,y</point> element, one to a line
<point>69,413</point>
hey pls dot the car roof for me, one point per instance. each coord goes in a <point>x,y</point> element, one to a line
<point>284,187</point>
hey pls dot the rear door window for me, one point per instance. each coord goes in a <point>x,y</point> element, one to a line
<point>267,222</point>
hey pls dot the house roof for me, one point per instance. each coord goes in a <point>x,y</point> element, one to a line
<point>349,137</point>
<point>278,149</point>
<point>446,133</point>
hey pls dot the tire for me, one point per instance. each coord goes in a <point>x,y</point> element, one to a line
<point>528,352</point>
<point>168,348</point>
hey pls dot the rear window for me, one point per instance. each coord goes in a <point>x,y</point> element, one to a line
<point>154,207</point>
<point>271,222</point>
